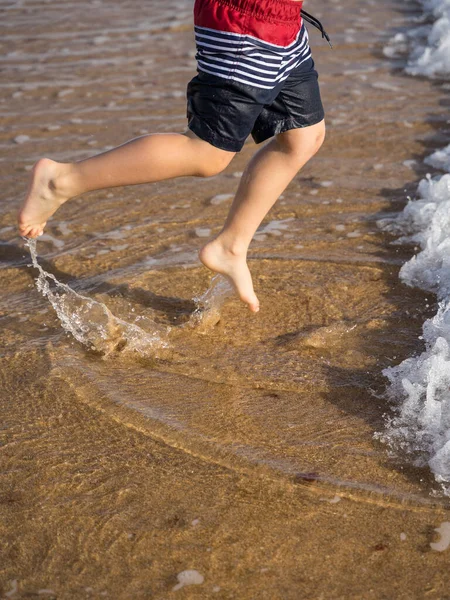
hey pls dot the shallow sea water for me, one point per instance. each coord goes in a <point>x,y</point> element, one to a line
<point>301,379</point>
<point>294,394</point>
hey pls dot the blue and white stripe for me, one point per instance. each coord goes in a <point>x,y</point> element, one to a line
<point>247,59</point>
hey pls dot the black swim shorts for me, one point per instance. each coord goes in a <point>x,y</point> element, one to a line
<point>255,75</point>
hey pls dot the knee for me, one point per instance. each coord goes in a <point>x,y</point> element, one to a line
<point>318,139</point>
<point>300,144</point>
<point>215,162</point>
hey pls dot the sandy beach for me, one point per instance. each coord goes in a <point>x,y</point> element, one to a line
<point>240,449</point>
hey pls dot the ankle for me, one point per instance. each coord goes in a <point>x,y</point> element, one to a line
<point>65,182</point>
<point>232,246</point>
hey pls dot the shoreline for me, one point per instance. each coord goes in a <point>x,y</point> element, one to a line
<point>97,500</point>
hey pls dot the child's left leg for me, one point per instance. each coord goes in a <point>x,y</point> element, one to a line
<point>265,178</point>
<point>145,159</point>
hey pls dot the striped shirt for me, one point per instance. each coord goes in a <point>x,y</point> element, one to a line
<point>247,59</point>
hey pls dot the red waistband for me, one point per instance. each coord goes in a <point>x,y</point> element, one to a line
<point>271,11</point>
<point>274,21</point>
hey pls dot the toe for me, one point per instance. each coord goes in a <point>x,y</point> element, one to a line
<point>24,228</point>
<point>254,307</point>
<point>36,231</point>
<point>252,302</point>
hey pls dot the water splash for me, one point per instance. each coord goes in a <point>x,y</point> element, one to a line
<point>209,304</point>
<point>92,323</point>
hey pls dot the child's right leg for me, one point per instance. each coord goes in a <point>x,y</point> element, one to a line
<point>267,175</point>
<point>143,160</point>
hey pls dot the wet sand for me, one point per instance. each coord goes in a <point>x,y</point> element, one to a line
<point>245,449</point>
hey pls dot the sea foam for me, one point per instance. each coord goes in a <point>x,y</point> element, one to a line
<point>420,386</point>
<point>430,54</point>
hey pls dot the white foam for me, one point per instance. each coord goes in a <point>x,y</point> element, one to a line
<point>397,46</point>
<point>221,198</point>
<point>428,44</point>
<point>431,57</point>
<point>64,93</point>
<point>440,159</point>
<point>385,85</point>
<point>188,577</point>
<point>21,139</point>
<point>420,385</point>
<point>333,500</point>
<point>444,542</point>
<point>202,232</point>
<point>275,227</point>
<point>63,228</point>
<point>410,164</point>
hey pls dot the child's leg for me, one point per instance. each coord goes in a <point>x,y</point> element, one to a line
<point>267,175</point>
<point>142,160</point>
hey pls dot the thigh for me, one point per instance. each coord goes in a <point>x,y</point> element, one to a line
<point>222,111</point>
<point>213,159</point>
<point>300,96</point>
<point>298,104</point>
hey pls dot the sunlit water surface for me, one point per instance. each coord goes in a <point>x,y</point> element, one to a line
<point>122,308</point>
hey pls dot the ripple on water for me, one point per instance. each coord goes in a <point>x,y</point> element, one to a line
<point>290,396</point>
<point>290,406</point>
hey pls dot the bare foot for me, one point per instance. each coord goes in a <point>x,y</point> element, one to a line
<point>45,195</point>
<point>219,259</point>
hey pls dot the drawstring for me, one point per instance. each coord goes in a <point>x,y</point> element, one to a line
<point>316,23</point>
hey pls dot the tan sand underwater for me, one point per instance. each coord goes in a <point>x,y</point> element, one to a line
<point>182,446</point>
